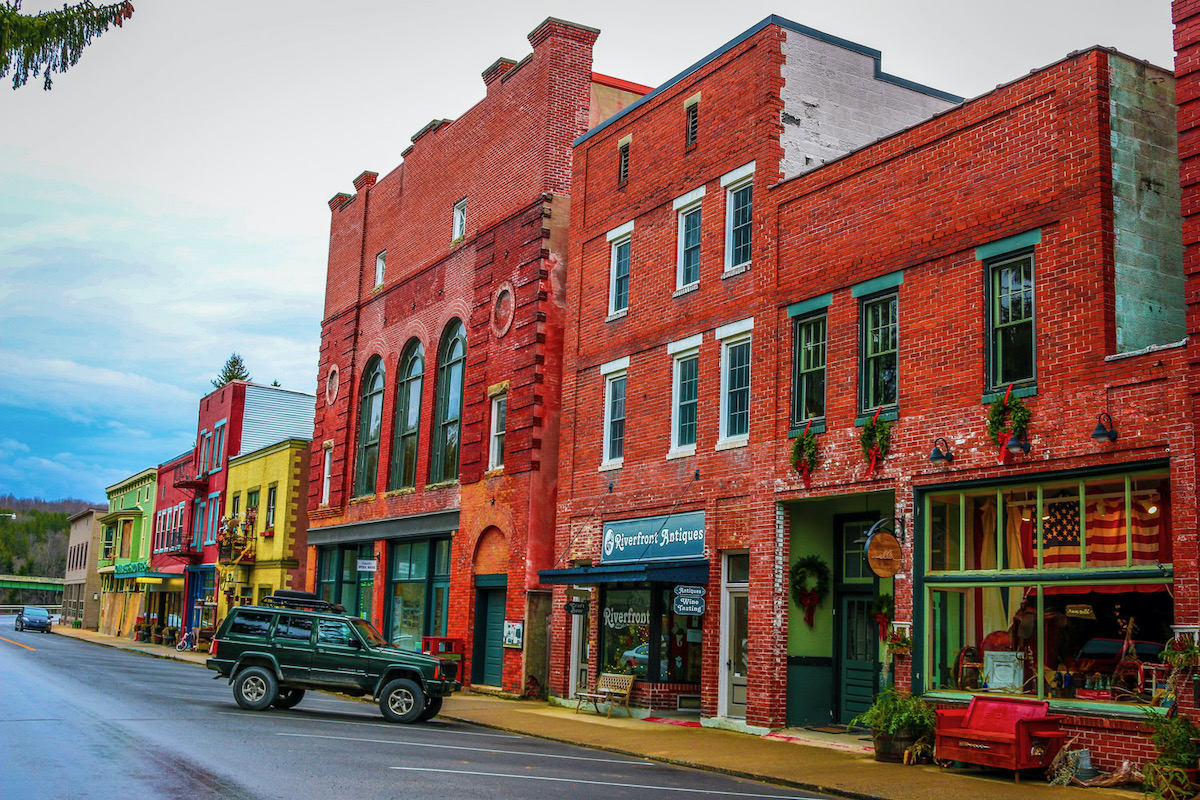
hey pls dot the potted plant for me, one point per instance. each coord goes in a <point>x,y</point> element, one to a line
<point>1171,774</point>
<point>901,724</point>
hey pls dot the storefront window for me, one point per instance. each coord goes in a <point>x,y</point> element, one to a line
<point>641,633</point>
<point>625,630</point>
<point>419,586</point>
<point>1044,589</point>
<point>679,642</point>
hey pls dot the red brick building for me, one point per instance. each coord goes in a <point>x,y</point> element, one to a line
<point>1016,255</point>
<point>434,463</point>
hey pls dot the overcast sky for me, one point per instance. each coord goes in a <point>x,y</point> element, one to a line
<point>165,204</point>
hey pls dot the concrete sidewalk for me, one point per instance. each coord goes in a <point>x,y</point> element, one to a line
<point>838,765</point>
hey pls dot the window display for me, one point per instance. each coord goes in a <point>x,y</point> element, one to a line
<point>641,633</point>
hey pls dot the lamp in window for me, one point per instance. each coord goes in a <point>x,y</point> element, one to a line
<point>1102,432</point>
<point>941,453</point>
<point>1017,445</point>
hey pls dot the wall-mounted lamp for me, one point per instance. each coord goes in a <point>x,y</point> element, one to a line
<point>1103,432</point>
<point>941,453</point>
<point>1017,445</point>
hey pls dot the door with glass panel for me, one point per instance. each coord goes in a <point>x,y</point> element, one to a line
<point>736,630</point>
<point>856,649</point>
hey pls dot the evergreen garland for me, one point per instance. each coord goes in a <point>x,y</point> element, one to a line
<point>875,434</point>
<point>1017,414</point>
<point>51,41</point>
<point>804,451</point>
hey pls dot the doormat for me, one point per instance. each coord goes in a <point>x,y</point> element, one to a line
<point>686,723</point>
<point>827,728</point>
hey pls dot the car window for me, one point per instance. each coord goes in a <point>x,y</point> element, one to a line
<point>36,612</point>
<point>294,628</point>
<point>332,631</point>
<point>368,632</point>
<point>251,623</point>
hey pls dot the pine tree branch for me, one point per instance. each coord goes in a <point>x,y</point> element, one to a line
<point>51,41</point>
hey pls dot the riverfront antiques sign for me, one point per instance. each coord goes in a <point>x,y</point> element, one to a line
<point>669,538</point>
<point>883,554</point>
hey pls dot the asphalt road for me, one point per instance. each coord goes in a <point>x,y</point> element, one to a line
<point>78,720</point>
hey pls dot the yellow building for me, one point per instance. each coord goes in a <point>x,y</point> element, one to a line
<point>265,528</point>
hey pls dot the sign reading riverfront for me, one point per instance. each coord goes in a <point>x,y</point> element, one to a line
<point>669,538</point>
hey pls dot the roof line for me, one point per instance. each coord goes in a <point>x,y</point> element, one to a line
<point>787,24</point>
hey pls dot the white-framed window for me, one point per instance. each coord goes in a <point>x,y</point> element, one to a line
<point>620,242</point>
<point>272,493</point>
<point>735,381</point>
<point>460,219</point>
<point>687,259</point>
<point>739,216</point>
<point>380,267</point>
<point>685,381</point>
<point>499,417</point>
<point>614,373</point>
<point>326,471</point>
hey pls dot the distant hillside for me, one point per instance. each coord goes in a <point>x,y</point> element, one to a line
<point>34,534</point>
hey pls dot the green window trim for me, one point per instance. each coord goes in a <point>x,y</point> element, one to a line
<point>1011,327</point>
<point>406,428</point>
<point>803,307</point>
<point>809,351</point>
<point>876,285</point>
<point>1008,244</point>
<point>879,352</point>
<point>452,358</point>
<point>370,426</point>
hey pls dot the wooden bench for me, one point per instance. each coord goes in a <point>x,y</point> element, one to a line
<point>1007,732</point>
<point>611,688</point>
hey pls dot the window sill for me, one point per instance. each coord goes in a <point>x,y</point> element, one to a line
<point>681,452</point>
<point>401,491</point>
<point>688,289</point>
<point>732,444</point>
<point>429,487</point>
<point>887,415</point>
<point>616,315</point>
<point>494,471</point>
<point>735,271</point>
<point>610,465</point>
<point>817,426</point>
<point>1029,390</point>
<point>362,498</point>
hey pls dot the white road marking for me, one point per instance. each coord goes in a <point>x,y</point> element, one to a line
<point>471,749</point>
<point>390,725</point>
<point>608,783</point>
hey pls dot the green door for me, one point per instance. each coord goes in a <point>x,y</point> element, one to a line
<point>856,647</point>
<point>488,668</point>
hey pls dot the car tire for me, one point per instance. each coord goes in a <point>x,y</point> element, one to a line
<point>288,698</point>
<point>402,701</point>
<point>255,688</point>
<point>432,706</point>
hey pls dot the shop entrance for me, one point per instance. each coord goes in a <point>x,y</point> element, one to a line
<point>856,653</point>
<point>488,661</point>
<point>580,661</point>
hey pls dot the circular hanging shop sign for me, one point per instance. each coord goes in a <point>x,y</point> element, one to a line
<point>884,554</point>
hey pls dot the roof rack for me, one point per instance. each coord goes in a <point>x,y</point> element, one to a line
<point>287,598</point>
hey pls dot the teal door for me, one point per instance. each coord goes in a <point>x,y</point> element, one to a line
<point>488,668</point>
<point>856,662</point>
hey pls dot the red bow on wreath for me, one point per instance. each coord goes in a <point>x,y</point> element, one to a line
<point>883,621</point>
<point>873,456</point>
<point>808,601</point>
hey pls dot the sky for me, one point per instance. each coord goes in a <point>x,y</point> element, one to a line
<point>165,204</point>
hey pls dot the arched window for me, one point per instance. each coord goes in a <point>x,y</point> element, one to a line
<point>370,420</point>
<point>452,357</point>
<point>409,381</point>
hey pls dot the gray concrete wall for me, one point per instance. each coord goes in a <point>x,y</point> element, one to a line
<point>1148,250</point>
<point>834,102</point>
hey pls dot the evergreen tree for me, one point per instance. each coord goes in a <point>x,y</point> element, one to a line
<point>53,40</point>
<point>234,370</point>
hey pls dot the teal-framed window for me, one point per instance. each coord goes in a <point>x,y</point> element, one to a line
<point>218,450</point>
<point>418,591</point>
<point>340,581</point>
<point>452,357</point>
<point>808,369</point>
<point>1011,340</point>
<point>407,427</point>
<point>213,523</point>
<point>370,423</point>
<point>1035,588</point>
<point>879,350</point>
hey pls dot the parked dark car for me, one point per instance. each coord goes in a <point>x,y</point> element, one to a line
<point>33,618</point>
<point>295,641</point>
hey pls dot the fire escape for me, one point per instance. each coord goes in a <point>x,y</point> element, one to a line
<point>190,477</point>
<point>235,552</point>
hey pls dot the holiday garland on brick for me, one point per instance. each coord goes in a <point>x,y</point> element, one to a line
<point>804,454</point>
<point>1008,417</point>
<point>876,439</point>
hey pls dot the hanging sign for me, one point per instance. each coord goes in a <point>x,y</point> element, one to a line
<point>577,607</point>
<point>689,606</point>
<point>666,538</point>
<point>690,591</point>
<point>367,564</point>
<point>579,594</point>
<point>884,554</point>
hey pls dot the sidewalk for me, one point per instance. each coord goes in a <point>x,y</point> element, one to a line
<point>839,765</point>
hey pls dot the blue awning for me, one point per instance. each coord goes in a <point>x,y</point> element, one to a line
<point>689,571</point>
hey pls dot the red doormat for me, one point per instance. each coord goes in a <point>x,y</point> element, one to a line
<point>686,723</point>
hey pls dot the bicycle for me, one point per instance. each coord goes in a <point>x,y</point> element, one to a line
<point>186,641</point>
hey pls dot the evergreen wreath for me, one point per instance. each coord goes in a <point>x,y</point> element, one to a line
<point>876,439</point>
<point>1008,415</point>
<point>804,452</point>
<point>804,597</point>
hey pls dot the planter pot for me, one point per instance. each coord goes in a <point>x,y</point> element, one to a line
<point>890,747</point>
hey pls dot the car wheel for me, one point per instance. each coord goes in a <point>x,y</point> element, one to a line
<point>432,706</point>
<point>402,701</point>
<point>254,688</point>
<point>287,698</point>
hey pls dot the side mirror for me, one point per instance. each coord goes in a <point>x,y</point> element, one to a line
<point>354,643</point>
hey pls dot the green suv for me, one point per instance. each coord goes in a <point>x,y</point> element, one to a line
<point>295,641</point>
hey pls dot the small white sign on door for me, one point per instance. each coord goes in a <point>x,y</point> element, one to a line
<point>367,564</point>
